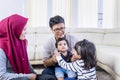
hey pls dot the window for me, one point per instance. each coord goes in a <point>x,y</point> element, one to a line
<point>77,13</point>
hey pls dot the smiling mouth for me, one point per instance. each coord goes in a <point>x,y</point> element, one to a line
<point>60,34</point>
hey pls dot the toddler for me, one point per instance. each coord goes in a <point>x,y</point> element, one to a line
<point>62,48</point>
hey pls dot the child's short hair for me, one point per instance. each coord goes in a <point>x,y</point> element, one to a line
<point>60,39</point>
<point>87,51</point>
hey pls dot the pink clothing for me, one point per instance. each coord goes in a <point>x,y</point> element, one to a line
<point>14,48</point>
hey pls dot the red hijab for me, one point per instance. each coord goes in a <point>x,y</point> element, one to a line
<point>14,48</point>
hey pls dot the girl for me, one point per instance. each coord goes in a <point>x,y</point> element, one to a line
<point>83,60</point>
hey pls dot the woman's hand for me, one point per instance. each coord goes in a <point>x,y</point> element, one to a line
<point>32,76</point>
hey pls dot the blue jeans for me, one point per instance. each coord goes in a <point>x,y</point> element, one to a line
<point>20,78</point>
<point>49,71</point>
<point>75,79</point>
<point>70,79</point>
<point>60,72</point>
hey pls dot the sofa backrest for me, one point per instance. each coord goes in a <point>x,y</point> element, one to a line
<point>31,43</point>
<point>112,37</point>
<point>93,35</point>
<point>42,35</point>
<point>38,36</point>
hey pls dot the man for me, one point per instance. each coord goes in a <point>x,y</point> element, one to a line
<point>57,26</point>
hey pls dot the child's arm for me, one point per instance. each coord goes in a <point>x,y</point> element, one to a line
<point>74,66</point>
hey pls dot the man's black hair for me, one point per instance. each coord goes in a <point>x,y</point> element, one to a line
<point>55,20</point>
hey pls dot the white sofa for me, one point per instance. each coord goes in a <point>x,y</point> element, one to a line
<point>107,42</point>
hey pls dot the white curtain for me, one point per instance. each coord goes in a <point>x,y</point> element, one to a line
<point>77,13</point>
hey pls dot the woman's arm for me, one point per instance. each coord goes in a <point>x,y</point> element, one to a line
<point>4,75</point>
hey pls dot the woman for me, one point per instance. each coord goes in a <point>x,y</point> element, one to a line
<point>14,64</point>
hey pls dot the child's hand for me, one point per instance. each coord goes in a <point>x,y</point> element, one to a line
<point>56,53</point>
<point>72,58</point>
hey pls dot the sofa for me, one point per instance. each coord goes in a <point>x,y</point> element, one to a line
<point>107,43</point>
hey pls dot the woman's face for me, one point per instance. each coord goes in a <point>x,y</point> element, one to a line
<point>58,30</point>
<point>22,36</point>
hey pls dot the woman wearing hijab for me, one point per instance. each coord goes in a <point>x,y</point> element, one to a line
<point>14,64</point>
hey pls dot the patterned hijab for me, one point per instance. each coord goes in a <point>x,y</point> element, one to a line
<point>14,48</point>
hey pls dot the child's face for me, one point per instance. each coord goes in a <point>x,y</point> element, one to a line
<point>62,46</point>
<point>75,56</point>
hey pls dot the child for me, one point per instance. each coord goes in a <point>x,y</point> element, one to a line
<point>62,48</point>
<point>83,60</point>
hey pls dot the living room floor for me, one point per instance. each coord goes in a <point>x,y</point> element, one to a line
<point>101,74</point>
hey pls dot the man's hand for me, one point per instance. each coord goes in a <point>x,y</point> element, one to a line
<point>54,58</point>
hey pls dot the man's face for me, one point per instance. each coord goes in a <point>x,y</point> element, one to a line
<point>58,30</point>
<point>62,46</point>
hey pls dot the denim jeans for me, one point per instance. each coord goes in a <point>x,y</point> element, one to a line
<point>49,71</point>
<point>21,78</point>
<point>60,72</point>
<point>70,79</point>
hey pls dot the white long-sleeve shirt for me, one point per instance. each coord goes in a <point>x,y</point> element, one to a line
<point>6,72</point>
<point>76,66</point>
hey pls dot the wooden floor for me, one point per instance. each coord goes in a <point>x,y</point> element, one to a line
<point>102,75</point>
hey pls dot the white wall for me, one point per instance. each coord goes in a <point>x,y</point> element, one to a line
<point>8,7</point>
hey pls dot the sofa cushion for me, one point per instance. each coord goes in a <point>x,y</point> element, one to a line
<point>109,55</point>
<point>31,45</point>
<point>94,35</point>
<point>97,38</point>
<point>31,52</point>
